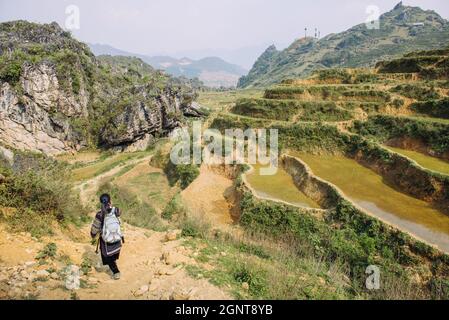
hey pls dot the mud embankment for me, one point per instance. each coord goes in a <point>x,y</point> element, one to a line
<point>313,187</point>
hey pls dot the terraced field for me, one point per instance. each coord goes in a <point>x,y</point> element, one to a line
<point>372,151</point>
<point>377,107</point>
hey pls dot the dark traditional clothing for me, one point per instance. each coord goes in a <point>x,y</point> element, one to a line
<point>110,252</point>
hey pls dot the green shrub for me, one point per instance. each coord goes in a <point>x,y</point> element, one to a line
<point>38,190</point>
<point>346,235</point>
<point>255,278</point>
<point>185,174</point>
<point>418,92</point>
<point>384,128</point>
<point>86,266</point>
<point>433,108</point>
<point>253,249</point>
<point>287,110</point>
<point>48,252</point>
<point>194,227</point>
<point>174,207</point>
<point>10,71</point>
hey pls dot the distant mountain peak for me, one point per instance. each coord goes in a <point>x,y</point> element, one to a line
<point>402,29</point>
<point>398,6</point>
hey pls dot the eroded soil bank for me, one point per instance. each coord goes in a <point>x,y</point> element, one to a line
<point>412,144</point>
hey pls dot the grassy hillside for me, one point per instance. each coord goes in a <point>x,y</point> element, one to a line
<point>400,32</point>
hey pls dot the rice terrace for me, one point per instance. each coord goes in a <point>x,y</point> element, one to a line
<point>360,120</point>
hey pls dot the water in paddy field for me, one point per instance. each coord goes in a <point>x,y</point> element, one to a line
<point>367,189</point>
<point>278,187</point>
<point>428,162</point>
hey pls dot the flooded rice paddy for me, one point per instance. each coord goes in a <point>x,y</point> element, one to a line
<point>278,187</point>
<point>423,160</point>
<point>368,190</point>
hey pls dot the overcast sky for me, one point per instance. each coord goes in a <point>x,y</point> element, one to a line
<point>202,26</point>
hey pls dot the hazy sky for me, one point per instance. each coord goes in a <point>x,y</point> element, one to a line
<point>202,26</point>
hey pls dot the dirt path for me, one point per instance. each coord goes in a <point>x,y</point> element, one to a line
<point>90,187</point>
<point>153,264</point>
<point>152,268</point>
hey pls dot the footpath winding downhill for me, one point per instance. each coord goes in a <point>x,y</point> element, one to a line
<point>152,263</point>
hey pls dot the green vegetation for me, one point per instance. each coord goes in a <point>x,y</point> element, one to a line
<point>11,69</point>
<point>269,269</point>
<point>407,64</point>
<point>360,48</point>
<point>433,108</point>
<point>288,110</point>
<point>383,128</point>
<point>220,100</point>
<point>184,174</point>
<point>312,138</point>
<point>345,76</point>
<point>35,192</point>
<point>347,237</point>
<point>363,93</point>
<point>417,92</point>
<point>427,66</point>
<point>105,163</point>
<point>174,208</point>
<point>48,252</point>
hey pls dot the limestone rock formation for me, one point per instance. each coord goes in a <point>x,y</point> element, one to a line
<point>56,96</point>
<point>38,119</point>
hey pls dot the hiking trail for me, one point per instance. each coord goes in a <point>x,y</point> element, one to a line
<point>152,264</point>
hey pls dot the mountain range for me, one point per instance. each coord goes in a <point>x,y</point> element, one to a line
<point>401,30</point>
<point>212,71</point>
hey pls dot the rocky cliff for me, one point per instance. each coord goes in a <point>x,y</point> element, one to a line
<point>56,97</point>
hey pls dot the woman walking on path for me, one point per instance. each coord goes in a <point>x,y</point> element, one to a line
<point>108,226</point>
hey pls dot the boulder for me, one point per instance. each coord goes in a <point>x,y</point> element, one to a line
<point>172,235</point>
<point>72,280</point>
<point>142,290</point>
<point>42,274</point>
<point>7,154</point>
